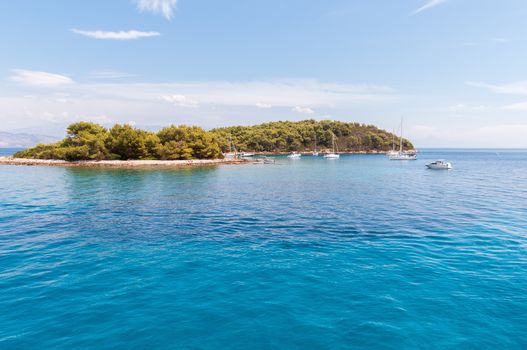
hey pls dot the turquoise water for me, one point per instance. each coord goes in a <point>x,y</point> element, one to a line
<point>353,253</point>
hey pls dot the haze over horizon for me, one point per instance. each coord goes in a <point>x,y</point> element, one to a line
<point>453,68</point>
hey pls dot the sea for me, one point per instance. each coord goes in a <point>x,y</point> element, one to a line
<point>355,253</point>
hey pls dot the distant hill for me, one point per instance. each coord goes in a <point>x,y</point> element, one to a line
<point>15,140</point>
<point>287,136</point>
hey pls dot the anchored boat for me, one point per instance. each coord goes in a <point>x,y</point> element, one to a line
<point>333,155</point>
<point>439,165</point>
<point>294,155</point>
<point>402,155</point>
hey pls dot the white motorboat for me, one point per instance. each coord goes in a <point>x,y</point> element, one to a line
<point>334,154</point>
<point>331,156</point>
<point>439,165</point>
<point>246,154</point>
<point>294,155</point>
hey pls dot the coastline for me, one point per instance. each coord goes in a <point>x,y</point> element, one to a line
<point>7,160</point>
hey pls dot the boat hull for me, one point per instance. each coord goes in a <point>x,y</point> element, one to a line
<point>439,167</point>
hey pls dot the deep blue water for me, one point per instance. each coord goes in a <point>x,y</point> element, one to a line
<point>360,252</point>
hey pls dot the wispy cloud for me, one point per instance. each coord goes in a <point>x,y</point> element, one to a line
<point>163,7</point>
<point>303,110</point>
<point>500,40</point>
<point>110,74</point>
<point>180,101</point>
<point>120,35</point>
<point>263,105</point>
<point>516,88</point>
<point>37,78</point>
<point>206,103</point>
<point>521,107</point>
<point>430,4</point>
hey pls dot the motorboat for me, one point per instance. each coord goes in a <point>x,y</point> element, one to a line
<point>332,156</point>
<point>246,154</point>
<point>294,155</point>
<point>439,165</point>
<point>229,155</point>
<point>403,156</point>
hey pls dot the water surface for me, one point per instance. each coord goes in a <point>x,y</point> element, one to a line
<point>360,252</point>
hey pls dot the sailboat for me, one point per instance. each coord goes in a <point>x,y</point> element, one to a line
<point>392,152</point>
<point>232,150</point>
<point>315,153</point>
<point>402,155</point>
<point>333,155</point>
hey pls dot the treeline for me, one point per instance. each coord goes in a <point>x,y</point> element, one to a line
<point>286,136</point>
<point>90,141</point>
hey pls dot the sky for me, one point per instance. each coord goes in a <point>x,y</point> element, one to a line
<point>454,69</point>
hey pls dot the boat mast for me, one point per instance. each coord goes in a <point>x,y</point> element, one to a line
<point>315,142</point>
<point>401,141</point>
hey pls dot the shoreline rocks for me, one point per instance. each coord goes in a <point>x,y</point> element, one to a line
<point>118,163</point>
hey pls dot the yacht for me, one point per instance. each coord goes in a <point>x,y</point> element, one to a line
<point>333,155</point>
<point>246,154</point>
<point>439,165</point>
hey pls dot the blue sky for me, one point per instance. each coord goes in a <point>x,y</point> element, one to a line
<point>454,68</point>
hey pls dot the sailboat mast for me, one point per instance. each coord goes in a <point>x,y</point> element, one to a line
<point>315,141</point>
<point>401,141</point>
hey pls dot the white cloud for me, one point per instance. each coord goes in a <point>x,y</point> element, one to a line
<point>36,78</point>
<point>303,110</point>
<point>121,35</point>
<point>521,107</point>
<point>163,7</point>
<point>205,103</point>
<point>461,108</point>
<point>516,88</point>
<point>429,5</point>
<point>180,101</point>
<point>110,74</point>
<point>263,105</point>
<point>500,40</point>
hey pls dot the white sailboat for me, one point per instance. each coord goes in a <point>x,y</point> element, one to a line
<point>333,155</point>
<point>402,155</point>
<point>392,152</point>
<point>315,152</point>
<point>232,150</point>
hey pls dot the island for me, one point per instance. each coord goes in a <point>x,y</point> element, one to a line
<point>91,144</point>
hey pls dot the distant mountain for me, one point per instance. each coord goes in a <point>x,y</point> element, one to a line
<point>16,140</point>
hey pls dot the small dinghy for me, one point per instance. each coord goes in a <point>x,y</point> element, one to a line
<point>439,165</point>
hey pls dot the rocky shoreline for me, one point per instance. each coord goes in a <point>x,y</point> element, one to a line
<point>119,163</point>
